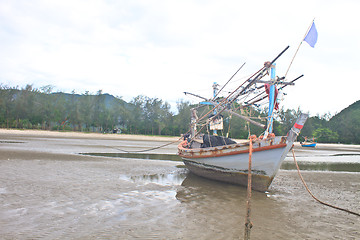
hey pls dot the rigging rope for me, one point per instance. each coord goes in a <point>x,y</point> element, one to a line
<point>324,203</point>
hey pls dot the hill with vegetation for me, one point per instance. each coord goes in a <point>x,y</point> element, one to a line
<point>31,108</point>
<point>347,124</point>
<point>343,127</point>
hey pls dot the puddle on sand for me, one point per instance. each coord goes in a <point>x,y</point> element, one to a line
<point>1,141</point>
<point>314,166</point>
<point>323,166</point>
<point>345,154</point>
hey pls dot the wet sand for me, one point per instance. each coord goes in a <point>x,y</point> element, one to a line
<point>48,190</point>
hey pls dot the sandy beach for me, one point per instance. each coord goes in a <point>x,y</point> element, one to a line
<point>49,190</point>
<point>59,134</point>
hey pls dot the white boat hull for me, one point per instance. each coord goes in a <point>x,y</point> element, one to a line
<point>229,163</point>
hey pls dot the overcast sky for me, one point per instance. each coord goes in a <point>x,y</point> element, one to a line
<point>161,48</point>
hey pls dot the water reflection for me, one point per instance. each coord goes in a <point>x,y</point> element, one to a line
<point>192,187</point>
<point>197,189</point>
<point>175,178</point>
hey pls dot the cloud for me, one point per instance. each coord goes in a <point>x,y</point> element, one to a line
<point>162,48</point>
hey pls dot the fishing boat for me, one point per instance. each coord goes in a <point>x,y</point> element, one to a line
<point>221,158</point>
<point>308,143</point>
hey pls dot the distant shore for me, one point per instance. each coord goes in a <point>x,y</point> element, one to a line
<point>65,134</point>
<point>58,134</point>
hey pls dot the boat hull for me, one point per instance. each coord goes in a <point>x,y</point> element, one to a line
<point>309,145</point>
<point>259,182</point>
<point>229,163</point>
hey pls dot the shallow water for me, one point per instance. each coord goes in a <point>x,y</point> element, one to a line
<point>328,164</point>
<point>48,191</point>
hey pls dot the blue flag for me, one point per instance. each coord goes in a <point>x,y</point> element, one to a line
<point>311,36</point>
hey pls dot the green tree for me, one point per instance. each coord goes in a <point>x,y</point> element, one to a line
<point>99,111</point>
<point>7,105</point>
<point>347,124</point>
<point>137,120</point>
<point>60,112</point>
<point>286,118</point>
<point>325,135</point>
<point>25,105</point>
<point>74,111</point>
<point>181,123</point>
<point>314,123</point>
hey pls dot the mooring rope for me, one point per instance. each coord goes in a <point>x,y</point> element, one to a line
<point>148,149</point>
<point>324,203</point>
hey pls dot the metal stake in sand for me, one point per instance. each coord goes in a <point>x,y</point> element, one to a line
<point>248,224</point>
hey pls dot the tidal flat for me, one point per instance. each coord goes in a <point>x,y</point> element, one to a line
<point>57,185</point>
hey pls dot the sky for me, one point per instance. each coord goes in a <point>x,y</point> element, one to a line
<point>161,48</point>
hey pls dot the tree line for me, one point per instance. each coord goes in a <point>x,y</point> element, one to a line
<point>40,108</point>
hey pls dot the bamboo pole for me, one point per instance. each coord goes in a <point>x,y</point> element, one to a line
<point>248,223</point>
<point>262,98</point>
<point>228,81</point>
<point>298,48</point>
<point>246,119</point>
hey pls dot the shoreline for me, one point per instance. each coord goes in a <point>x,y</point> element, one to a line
<point>70,134</point>
<point>135,137</point>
